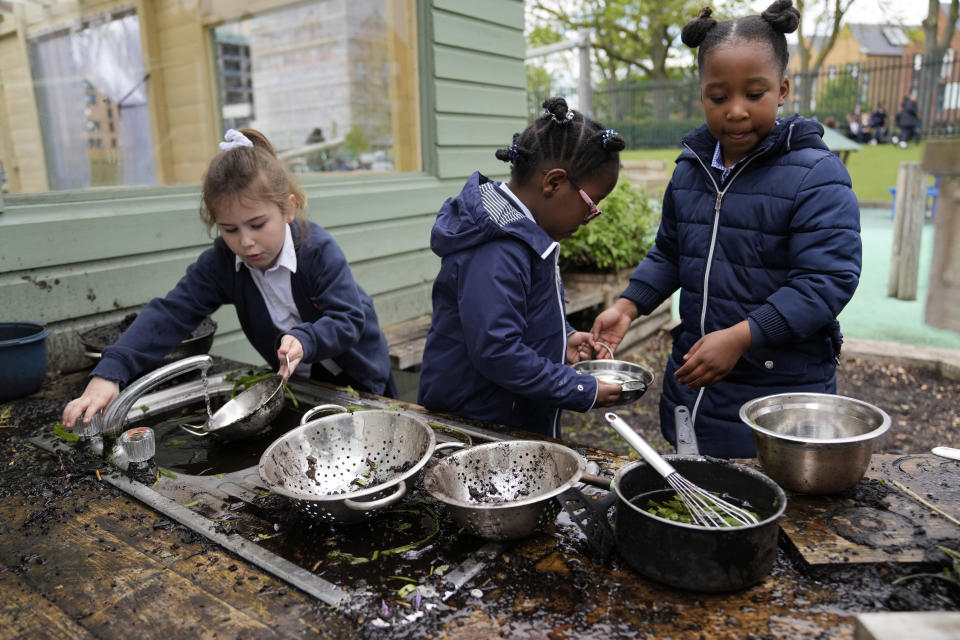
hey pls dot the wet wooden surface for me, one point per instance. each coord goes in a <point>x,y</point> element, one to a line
<point>881,520</point>
<point>79,560</point>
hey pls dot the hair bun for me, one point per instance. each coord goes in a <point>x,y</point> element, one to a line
<point>782,16</point>
<point>556,109</point>
<point>696,30</point>
<point>258,140</point>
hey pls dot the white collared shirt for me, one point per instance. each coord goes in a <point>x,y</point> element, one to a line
<point>274,287</point>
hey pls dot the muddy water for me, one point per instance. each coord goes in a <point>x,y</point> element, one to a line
<point>182,452</point>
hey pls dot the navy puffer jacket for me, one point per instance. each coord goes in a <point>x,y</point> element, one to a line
<point>778,244</point>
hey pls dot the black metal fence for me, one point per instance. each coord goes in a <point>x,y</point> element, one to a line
<point>657,114</point>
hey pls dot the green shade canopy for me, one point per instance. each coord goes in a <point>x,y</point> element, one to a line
<point>837,142</point>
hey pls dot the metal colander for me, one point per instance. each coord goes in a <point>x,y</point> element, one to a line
<point>504,490</point>
<point>344,467</point>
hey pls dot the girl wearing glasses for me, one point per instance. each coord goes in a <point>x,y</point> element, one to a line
<point>499,340</point>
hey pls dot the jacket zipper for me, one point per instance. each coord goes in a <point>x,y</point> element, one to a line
<point>713,242</point>
<point>563,328</point>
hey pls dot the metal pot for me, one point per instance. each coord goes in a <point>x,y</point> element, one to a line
<point>345,467</point>
<point>681,555</point>
<point>247,415</point>
<point>199,341</point>
<point>504,490</point>
<point>691,556</point>
<point>814,443</point>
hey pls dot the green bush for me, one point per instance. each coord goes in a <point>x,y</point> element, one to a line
<point>619,238</point>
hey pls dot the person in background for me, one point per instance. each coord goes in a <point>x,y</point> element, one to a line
<point>908,120</point>
<point>878,124</point>
<point>499,340</point>
<point>760,231</point>
<point>288,279</point>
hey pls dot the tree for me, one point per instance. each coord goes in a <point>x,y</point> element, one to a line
<point>631,38</point>
<point>813,49</point>
<point>933,52</point>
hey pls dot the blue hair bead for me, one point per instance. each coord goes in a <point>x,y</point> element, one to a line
<point>513,151</point>
<point>606,135</point>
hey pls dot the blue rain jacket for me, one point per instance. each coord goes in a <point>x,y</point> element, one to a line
<point>778,244</point>
<point>497,342</point>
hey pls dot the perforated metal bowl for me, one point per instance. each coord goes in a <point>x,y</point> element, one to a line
<point>346,466</point>
<point>504,490</point>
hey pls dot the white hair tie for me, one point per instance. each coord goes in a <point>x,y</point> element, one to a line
<point>234,139</point>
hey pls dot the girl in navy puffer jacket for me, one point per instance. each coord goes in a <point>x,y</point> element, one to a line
<point>499,340</point>
<point>761,234</point>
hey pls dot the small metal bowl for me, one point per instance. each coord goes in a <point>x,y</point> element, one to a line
<point>249,414</point>
<point>814,443</point>
<point>631,376</point>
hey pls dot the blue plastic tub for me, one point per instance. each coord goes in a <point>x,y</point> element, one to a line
<point>23,358</point>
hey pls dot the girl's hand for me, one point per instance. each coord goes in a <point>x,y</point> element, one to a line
<point>611,325</point>
<point>712,357</point>
<point>290,348</point>
<point>607,394</point>
<point>98,395</point>
<point>580,346</point>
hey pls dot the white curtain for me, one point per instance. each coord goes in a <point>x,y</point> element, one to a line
<point>106,53</point>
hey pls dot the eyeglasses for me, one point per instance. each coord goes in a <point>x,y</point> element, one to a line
<point>594,209</point>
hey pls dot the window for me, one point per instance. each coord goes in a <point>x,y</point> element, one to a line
<point>332,83</point>
<point>87,77</point>
<point>324,81</point>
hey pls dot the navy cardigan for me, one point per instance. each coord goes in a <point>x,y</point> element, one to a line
<point>338,318</point>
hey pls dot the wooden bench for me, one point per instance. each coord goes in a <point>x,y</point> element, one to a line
<point>406,340</point>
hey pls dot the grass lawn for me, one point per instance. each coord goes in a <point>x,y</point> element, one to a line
<point>872,168</point>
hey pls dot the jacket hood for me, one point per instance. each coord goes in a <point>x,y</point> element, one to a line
<point>794,132</point>
<point>482,212</point>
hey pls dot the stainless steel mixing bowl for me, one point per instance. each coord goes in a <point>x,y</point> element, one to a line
<point>814,443</point>
<point>633,378</point>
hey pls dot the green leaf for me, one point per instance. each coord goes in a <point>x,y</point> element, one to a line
<point>61,432</point>
<point>406,590</point>
<point>167,473</point>
<point>194,503</point>
<point>352,392</point>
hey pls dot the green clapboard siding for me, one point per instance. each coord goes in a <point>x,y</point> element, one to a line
<point>508,13</point>
<point>82,258</point>
<point>484,100</point>
<point>469,33</point>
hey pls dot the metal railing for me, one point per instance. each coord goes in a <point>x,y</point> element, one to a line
<point>657,114</point>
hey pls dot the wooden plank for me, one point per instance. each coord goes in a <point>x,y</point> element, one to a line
<point>467,98</point>
<point>24,613</point>
<point>88,288</point>
<point>477,130</point>
<point>403,304</point>
<point>368,241</point>
<point>469,33</point>
<point>580,298</point>
<point>460,162</point>
<point>907,232</point>
<point>508,13</point>
<point>406,341</point>
<point>116,590</point>
<point>471,66</point>
<point>396,272</point>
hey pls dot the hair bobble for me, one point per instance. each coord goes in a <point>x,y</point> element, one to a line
<point>562,120</point>
<point>513,151</point>
<point>606,135</point>
<point>233,139</point>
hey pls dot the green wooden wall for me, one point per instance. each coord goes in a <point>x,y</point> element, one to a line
<point>79,259</point>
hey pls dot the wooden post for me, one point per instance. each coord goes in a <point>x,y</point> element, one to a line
<point>907,231</point>
<point>942,158</point>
